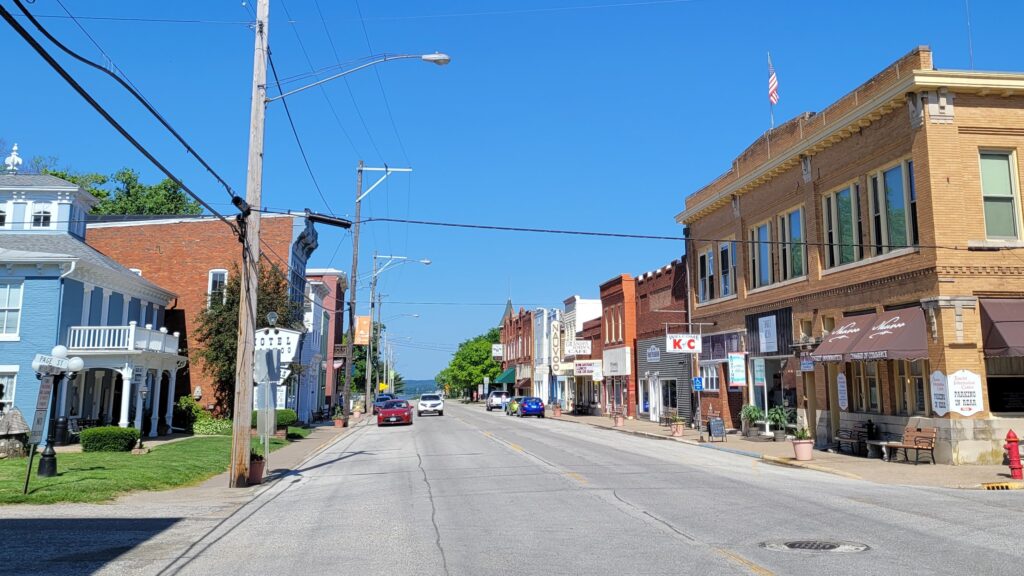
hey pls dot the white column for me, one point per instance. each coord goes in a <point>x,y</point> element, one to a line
<point>138,398</point>
<point>155,395</point>
<point>98,379</point>
<point>86,305</point>
<point>171,382</point>
<point>126,395</point>
<point>105,308</point>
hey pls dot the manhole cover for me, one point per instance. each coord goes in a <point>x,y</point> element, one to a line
<point>815,546</point>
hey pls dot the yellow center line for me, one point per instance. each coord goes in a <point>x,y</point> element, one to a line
<point>753,567</point>
<point>577,477</point>
<point>515,447</point>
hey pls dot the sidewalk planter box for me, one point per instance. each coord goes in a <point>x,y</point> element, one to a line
<point>557,409</point>
<point>803,450</point>
<point>677,429</point>
<point>618,420</point>
<point>339,422</point>
<point>256,471</point>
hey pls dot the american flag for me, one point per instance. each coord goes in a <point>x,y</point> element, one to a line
<point>773,84</point>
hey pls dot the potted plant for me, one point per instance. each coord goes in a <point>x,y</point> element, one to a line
<point>618,419</point>
<point>749,415</point>
<point>678,424</point>
<point>557,410</point>
<point>339,417</point>
<point>803,445</point>
<point>779,417</point>
<point>256,468</point>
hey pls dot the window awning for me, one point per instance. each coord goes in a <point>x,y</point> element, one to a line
<point>506,377</point>
<point>525,383</point>
<point>894,335</point>
<point>837,344</point>
<point>1002,327</point>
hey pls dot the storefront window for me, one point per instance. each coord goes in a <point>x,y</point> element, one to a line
<point>668,394</point>
<point>1005,384</point>
<point>865,387</point>
<point>709,374</point>
<point>912,387</point>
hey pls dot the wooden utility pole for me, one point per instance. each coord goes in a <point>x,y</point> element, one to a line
<point>369,345</point>
<point>250,220</point>
<point>349,348</point>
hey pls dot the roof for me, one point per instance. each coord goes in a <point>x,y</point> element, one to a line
<point>63,245</point>
<point>22,181</point>
<point>509,312</point>
<point>114,220</point>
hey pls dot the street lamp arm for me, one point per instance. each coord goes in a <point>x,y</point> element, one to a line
<point>439,59</point>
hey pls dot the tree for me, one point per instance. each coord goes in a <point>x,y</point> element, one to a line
<point>217,327</point>
<point>470,364</point>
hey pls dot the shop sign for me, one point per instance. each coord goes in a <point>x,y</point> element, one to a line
<point>964,392</point>
<point>598,373</point>
<point>682,343</point>
<point>940,393</point>
<point>577,347</point>
<point>737,370</point>
<point>617,362</point>
<point>759,379</point>
<point>844,396</point>
<point>585,367</point>
<point>556,343</point>
<point>767,335</point>
<point>653,354</point>
<point>362,337</point>
<point>806,364</point>
<point>497,351</point>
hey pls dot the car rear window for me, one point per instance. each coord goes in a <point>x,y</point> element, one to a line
<point>430,397</point>
<point>533,400</point>
<point>396,404</point>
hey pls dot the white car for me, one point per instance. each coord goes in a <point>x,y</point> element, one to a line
<point>432,403</point>
<point>497,399</point>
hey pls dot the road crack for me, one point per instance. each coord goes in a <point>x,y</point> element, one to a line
<point>433,513</point>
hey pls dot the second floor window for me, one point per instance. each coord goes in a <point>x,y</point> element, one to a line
<point>10,308</point>
<point>217,287</point>
<point>706,275</point>
<point>791,247</point>
<point>893,207</point>
<point>3,218</point>
<point>727,263</point>
<point>839,225</point>
<point>999,194</point>
<point>761,273</point>
<point>41,219</point>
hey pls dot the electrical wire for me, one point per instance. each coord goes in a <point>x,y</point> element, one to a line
<point>534,10</point>
<point>9,18</point>
<point>152,20</point>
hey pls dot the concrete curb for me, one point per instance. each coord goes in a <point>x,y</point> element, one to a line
<point>720,448</point>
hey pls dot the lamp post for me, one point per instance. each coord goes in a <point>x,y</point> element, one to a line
<point>390,262</point>
<point>143,393</point>
<point>48,460</point>
<point>249,226</point>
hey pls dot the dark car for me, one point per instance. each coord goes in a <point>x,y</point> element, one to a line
<point>395,412</point>
<point>380,400</point>
<point>531,406</point>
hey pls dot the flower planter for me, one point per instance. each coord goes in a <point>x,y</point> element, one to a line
<point>339,422</point>
<point>557,409</point>
<point>780,435</point>
<point>803,450</point>
<point>618,420</point>
<point>256,468</point>
<point>677,430</point>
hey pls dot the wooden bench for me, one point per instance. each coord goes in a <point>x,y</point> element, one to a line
<point>855,437</point>
<point>916,439</point>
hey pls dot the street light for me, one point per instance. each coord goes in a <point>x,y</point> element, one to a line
<point>48,461</point>
<point>435,58</point>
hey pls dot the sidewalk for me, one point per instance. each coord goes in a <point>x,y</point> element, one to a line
<point>855,467</point>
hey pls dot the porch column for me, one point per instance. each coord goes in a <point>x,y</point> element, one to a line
<point>126,395</point>
<point>86,304</point>
<point>99,377</point>
<point>105,308</point>
<point>171,387</point>
<point>138,398</point>
<point>155,395</point>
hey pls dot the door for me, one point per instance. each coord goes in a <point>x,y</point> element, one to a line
<point>654,397</point>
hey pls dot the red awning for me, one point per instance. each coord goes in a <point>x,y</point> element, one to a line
<point>1002,327</point>
<point>524,383</point>
<point>834,347</point>
<point>894,335</point>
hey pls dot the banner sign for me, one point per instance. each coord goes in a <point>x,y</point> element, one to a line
<point>759,377</point>
<point>964,389</point>
<point>682,344</point>
<point>362,331</point>
<point>737,370</point>
<point>577,347</point>
<point>843,394</point>
<point>585,367</point>
<point>497,351</point>
<point>767,336</point>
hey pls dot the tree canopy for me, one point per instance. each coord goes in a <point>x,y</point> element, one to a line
<point>470,364</point>
<point>124,193</point>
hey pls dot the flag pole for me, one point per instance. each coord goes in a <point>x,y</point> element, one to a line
<point>771,105</point>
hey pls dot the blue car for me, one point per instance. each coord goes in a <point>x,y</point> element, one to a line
<point>531,407</point>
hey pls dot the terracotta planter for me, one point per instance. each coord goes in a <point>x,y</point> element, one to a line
<point>339,422</point>
<point>256,468</point>
<point>803,449</point>
<point>677,430</point>
<point>557,411</point>
<point>619,420</point>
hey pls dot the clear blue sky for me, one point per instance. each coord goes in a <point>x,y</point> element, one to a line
<point>578,114</point>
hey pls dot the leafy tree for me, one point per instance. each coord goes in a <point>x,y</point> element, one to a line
<point>217,327</point>
<point>470,364</point>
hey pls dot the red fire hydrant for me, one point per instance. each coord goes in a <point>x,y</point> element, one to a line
<point>1013,450</point>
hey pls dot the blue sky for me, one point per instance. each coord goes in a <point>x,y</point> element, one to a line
<point>573,114</point>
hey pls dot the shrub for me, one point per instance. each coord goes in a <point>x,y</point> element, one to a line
<point>187,410</point>
<point>209,426</point>
<point>285,417</point>
<point>108,439</point>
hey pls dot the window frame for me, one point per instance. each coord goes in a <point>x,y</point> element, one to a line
<point>7,309</point>
<point>755,252</point>
<point>1011,155</point>
<point>727,277</point>
<point>831,224</point>
<point>711,379</point>
<point>41,213</point>
<point>786,244</point>
<point>911,389</point>
<point>706,274</point>
<point>9,370</point>
<point>878,206</point>
<point>209,286</point>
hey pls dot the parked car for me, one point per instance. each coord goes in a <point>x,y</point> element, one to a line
<point>395,412</point>
<point>512,406</point>
<point>430,403</point>
<point>380,401</point>
<point>497,400</point>
<point>531,406</point>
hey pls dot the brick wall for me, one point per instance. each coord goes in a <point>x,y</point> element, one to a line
<point>661,297</point>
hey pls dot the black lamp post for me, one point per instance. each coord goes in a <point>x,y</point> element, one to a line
<point>48,460</point>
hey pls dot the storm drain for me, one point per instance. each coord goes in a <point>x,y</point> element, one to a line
<point>815,546</point>
<point>1003,486</point>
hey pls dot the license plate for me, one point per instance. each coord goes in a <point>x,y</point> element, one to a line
<point>393,419</point>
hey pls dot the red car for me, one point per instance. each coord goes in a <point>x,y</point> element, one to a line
<point>394,412</point>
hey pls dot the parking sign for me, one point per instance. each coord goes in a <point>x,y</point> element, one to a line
<point>698,384</point>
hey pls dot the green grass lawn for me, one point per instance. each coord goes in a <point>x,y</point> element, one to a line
<point>296,432</point>
<point>99,476</point>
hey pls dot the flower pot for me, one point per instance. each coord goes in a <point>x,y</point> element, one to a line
<point>557,410</point>
<point>619,420</point>
<point>780,435</point>
<point>256,468</point>
<point>677,429</point>
<point>339,422</point>
<point>803,449</point>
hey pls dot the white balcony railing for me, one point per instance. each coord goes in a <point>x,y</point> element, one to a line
<point>129,337</point>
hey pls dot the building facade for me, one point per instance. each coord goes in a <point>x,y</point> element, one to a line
<point>334,307</point>
<point>194,257</point>
<point>618,333</point>
<point>861,259</point>
<point>57,290</point>
<point>576,312</point>
<point>517,345</point>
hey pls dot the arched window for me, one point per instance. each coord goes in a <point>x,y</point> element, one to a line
<point>41,219</point>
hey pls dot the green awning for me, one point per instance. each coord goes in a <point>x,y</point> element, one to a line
<point>506,377</point>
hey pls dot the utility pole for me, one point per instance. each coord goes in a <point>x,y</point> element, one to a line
<point>349,349</point>
<point>369,345</point>
<point>250,230</point>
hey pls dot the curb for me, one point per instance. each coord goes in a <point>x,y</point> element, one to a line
<point>763,457</point>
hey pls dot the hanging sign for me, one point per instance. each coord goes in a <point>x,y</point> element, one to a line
<point>759,379</point>
<point>940,394</point>
<point>598,374</point>
<point>653,354</point>
<point>362,331</point>
<point>767,335</point>
<point>964,389</point>
<point>737,370</point>
<point>556,343</point>
<point>844,397</point>
<point>806,364</point>
<point>682,344</point>
<point>497,351</point>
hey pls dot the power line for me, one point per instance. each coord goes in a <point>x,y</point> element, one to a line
<point>9,18</point>
<point>534,10</point>
<point>152,20</point>
<point>376,71</point>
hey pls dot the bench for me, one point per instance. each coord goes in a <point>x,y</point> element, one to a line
<point>916,439</point>
<point>854,437</point>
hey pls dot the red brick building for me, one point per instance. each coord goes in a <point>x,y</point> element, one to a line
<point>517,342</point>
<point>193,256</point>
<point>618,335</point>
<point>334,306</point>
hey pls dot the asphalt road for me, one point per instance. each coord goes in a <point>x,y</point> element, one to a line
<point>477,493</point>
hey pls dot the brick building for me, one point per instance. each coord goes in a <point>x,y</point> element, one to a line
<point>861,258</point>
<point>334,307</point>
<point>517,344</point>
<point>587,390</point>
<point>663,378</point>
<point>193,257</point>
<point>618,332</point>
